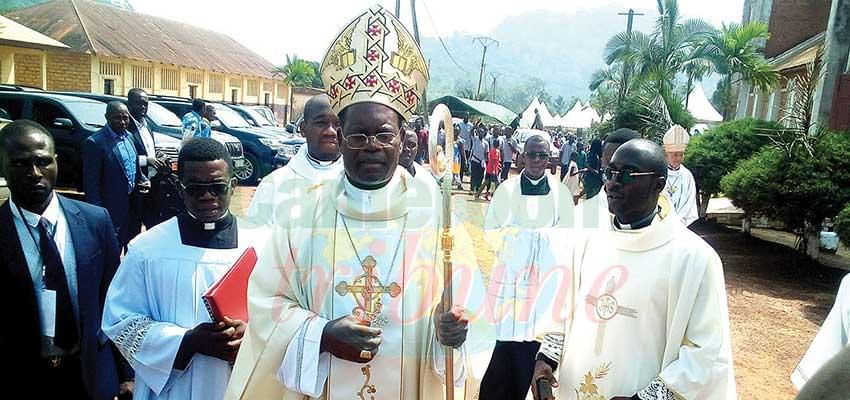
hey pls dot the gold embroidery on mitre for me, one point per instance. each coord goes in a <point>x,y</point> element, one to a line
<point>361,65</point>
<point>588,389</point>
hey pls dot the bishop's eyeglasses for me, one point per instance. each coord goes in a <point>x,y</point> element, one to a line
<point>624,176</point>
<point>359,141</point>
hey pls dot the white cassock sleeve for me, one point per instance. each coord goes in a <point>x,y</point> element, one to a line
<point>689,212</point>
<point>148,345</point>
<point>830,339</point>
<point>702,368</point>
<point>305,368</point>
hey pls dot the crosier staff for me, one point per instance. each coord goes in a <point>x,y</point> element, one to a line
<point>441,160</point>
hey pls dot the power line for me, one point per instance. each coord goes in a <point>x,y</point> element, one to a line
<point>485,43</point>
<point>440,38</point>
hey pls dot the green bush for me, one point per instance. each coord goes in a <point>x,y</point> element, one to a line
<point>715,153</point>
<point>842,225</point>
<point>798,187</point>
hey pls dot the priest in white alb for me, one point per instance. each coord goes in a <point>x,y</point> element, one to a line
<point>830,339</point>
<point>346,301</point>
<point>681,187</point>
<point>154,311</point>
<point>647,315</point>
<point>318,160</point>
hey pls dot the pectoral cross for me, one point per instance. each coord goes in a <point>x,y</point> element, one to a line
<point>367,290</point>
<point>607,308</point>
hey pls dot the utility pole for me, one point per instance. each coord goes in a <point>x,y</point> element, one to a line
<point>627,66</point>
<point>398,9</point>
<point>495,76</point>
<point>416,38</point>
<point>485,43</point>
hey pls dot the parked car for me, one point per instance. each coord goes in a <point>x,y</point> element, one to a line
<point>71,120</point>
<point>254,118</point>
<point>4,188</point>
<point>264,150</point>
<point>162,121</point>
<point>522,135</point>
<point>266,112</point>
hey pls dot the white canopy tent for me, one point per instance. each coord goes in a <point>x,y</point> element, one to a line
<point>701,108</point>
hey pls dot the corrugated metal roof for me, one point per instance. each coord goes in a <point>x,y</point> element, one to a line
<point>110,31</point>
<point>15,34</point>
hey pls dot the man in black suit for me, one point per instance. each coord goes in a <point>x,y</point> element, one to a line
<point>59,257</point>
<point>112,177</point>
<point>143,139</point>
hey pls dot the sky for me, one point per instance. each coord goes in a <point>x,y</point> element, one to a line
<point>304,28</point>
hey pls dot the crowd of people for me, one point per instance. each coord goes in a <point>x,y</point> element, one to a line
<point>599,290</point>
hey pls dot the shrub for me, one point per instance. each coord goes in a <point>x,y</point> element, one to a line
<point>714,154</point>
<point>842,225</point>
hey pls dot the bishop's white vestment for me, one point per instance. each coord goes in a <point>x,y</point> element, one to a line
<point>830,339</point>
<point>155,298</point>
<point>278,189</point>
<point>648,316</point>
<point>681,188</point>
<point>316,269</point>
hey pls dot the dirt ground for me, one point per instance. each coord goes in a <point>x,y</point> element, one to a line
<point>775,308</point>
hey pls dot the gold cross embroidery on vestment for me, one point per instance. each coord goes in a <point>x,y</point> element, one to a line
<point>607,308</point>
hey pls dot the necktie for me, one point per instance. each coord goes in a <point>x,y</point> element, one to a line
<point>54,279</point>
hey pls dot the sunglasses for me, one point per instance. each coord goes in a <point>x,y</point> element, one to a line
<point>623,176</point>
<point>196,190</point>
<point>541,155</point>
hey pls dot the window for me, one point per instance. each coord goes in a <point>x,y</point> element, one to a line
<point>109,86</point>
<point>236,82</point>
<point>268,87</point>
<point>193,91</point>
<point>110,68</point>
<point>45,113</point>
<point>267,99</point>
<point>281,91</point>
<point>234,94</point>
<point>253,88</point>
<point>14,108</point>
<point>170,79</point>
<point>216,84</point>
<point>142,77</point>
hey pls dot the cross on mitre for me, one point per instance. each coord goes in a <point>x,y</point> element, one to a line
<point>367,290</point>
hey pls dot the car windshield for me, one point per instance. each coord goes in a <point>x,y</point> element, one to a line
<point>90,113</point>
<point>257,117</point>
<point>230,118</point>
<point>264,111</point>
<point>162,117</point>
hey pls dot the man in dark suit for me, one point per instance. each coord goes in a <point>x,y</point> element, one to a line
<point>112,177</point>
<point>59,257</point>
<point>143,140</point>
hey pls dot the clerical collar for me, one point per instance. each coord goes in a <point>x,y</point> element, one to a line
<point>381,204</point>
<point>674,169</point>
<point>412,169</point>
<point>319,163</point>
<point>534,187</point>
<point>221,234</point>
<point>639,224</point>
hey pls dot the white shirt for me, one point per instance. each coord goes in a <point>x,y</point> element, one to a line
<point>147,141</point>
<point>27,228</point>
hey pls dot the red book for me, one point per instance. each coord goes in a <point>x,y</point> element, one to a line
<point>229,295</point>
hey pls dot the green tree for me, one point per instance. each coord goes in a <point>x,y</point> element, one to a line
<point>714,154</point>
<point>296,72</point>
<point>842,225</point>
<point>660,56</point>
<point>799,188</point>
<point>735,53</point>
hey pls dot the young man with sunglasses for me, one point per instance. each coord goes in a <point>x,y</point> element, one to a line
<point>154,311</point>
<point>649,317</point>
<point>527,203</point>
<point>317,161</point>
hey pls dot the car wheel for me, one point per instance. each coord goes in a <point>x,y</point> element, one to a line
<point>250,172</point>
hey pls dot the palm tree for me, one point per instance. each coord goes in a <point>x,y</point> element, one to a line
<point>659,57</point>
<point>734,52</point>
<point>296,73</point>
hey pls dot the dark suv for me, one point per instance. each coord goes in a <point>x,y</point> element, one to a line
<point>71,120</point>
<point>264,150</point>
<point>162,121</point>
